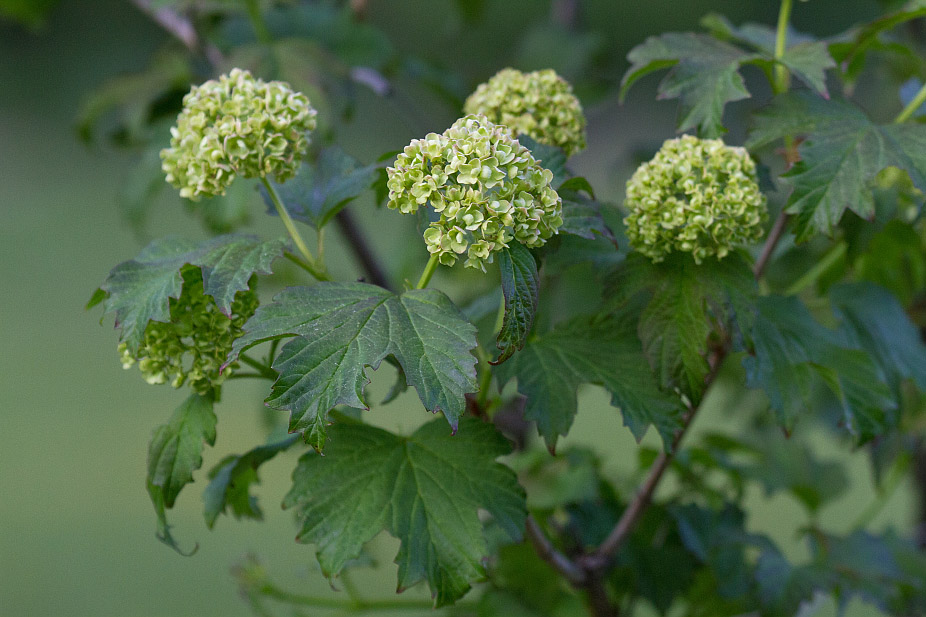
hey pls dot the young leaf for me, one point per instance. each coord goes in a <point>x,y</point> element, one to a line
<point>321,190</point>
<point>840,157</point>
<point>704,76</point>
<point>425,490</point>
<point>793,351</point>
<point>174,453</point>
<point>231,480</point>
<point>550,368</point>
<point>138,290</point>
<point>176,448</point>
<point>520,285</point>
<point>341,328</point>
<point>879,325</point>
<point>683,300</point>
<point>581,214</point>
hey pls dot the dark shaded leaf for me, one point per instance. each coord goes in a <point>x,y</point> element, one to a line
<point>321,190</point>
<point>520,286</point>
<point>841,155</point>
<point>550,368</point>
<point>231,480</point>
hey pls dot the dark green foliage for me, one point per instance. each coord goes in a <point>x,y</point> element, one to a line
<point>520,286</point>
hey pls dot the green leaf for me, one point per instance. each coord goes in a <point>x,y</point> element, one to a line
<point>841,155</point>
<point>895,260</point>
<point>176,448</point>
<point>426,490</point>
<point>138,290</point>
<point>174,453</point>
<point>683,299</point>
<point>520,286</point>
<point>549,157</point>
<point>783,587</point>
<point>321,190</point>
<point>879,325</point>
<point>551,367</point>
<point>582,215</point>
<point>809,63</point>
<point>847,53</point>
<point>793,352</point>
<point>32,13</point>
<point>704,76</point>
<point>717,538</point>
<point>341,328</point>
<point>231,480</point>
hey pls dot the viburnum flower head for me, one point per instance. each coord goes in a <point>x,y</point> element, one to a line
<point>698,196</point>
<point>237,126</point>
<point>486,187</point>
<point>192,347</point>
<point>539,104</point>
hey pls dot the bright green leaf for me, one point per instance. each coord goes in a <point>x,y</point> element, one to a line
<point>231,480</point>
<point>320,190</point>
<point>842,153</point>
<point>138,290</point>
<point>426,490</point>
<point>341,328</point>
<point>550,369</point>
<point>520,286</point>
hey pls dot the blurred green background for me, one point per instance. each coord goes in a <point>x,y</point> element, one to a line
<point>76,526</point>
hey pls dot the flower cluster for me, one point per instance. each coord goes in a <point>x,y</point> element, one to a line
<point>698,196</point>
<point>192,347</point>
<point>236,126</point>
<point>539,104</point>
<point>486,187</point>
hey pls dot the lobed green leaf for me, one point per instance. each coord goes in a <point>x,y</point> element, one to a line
<point>520,287</point>
<point>425,490</point>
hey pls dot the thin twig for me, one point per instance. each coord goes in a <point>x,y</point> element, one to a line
<point>774,236</point>
<point>182,29</point>
<point>601,557</point>
<point>546,551</point>
<point>360,245</point>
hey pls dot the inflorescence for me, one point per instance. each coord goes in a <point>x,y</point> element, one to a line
<point>486,187</point>
<point>539,104</point>
<point>192,347</point>
<point>698,196</point>
<point>237,126</point>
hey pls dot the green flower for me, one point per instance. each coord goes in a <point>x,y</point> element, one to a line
<point>192,347</point>
<point>699,196</point>
<point>237,126</point>
<point>540,104</point>
<point>486,187</point>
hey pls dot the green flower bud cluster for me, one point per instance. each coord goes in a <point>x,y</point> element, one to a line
<point>237,126</point>
<point>540,104</point>
<point>699,196</point>
<point>487,188</point>
<point>192,347</point>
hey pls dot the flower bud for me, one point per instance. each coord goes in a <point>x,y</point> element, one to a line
<point>237,126</point>
<point>539,104</point>
<point>698,196</point>
<point>483,202</point>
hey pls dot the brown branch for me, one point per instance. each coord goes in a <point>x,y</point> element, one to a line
<point>359,244</point>
<point>182,29</point>
<point>601,557</point>
<point>545,549</point>
<point>774,236</point>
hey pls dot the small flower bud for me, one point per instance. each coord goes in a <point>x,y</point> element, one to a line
<point>192,347</point>
<point>539,104</point>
